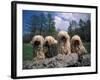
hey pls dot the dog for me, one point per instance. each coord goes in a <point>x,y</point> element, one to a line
<point>64,43</point>
<point>77,46</point>
<point>38,42</point>
<point>50,46</point>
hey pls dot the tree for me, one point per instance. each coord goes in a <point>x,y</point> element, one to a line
<point>73,28</point>
<point>35,24</point>
<point>83,30</point>
<point>43,20</point>
<point>88,31</point>
<point>42,24</point>
<point>52,30</point>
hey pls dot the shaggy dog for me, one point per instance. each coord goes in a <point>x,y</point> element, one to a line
<point>50,47</point>
<point>77,46</point>
<point>63,43</point>
<point>38,42</point>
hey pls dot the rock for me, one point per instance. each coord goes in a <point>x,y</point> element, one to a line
<point>86,60</point>
<point>59,61</point>
<point>27,65</point>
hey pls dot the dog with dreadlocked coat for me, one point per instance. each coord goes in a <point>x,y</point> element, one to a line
<point>77,46</point>
<point>38,42</point>
<point>64,43</point>
<point>50,46</point>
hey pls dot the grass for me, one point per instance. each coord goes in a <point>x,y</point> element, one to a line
<point>28,50</point>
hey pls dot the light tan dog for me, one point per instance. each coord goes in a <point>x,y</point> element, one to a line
<point>64,43</point>
<point>38,42</point>
<point>77,46</point>
<point>50,46</point>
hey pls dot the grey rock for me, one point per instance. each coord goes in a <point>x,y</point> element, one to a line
<point>59,61</point>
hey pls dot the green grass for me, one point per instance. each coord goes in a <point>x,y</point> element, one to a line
<point>28,50</point>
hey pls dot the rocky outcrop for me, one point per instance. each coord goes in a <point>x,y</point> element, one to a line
<point>59,61</point>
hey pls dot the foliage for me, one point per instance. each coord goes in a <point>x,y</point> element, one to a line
<point>82,29</point>
<point>42,24</point>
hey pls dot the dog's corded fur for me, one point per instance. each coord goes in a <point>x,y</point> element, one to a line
<point>50,47</point>
<point>63,43</point>
<point>77,46</point>
<point>38,42</point>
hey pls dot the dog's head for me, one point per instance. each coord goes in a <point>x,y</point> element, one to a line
<point>37,40</point>
<point>63,36</point>
<point>49,40</point>
<point>76,41</point>
<point>77,45</point>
